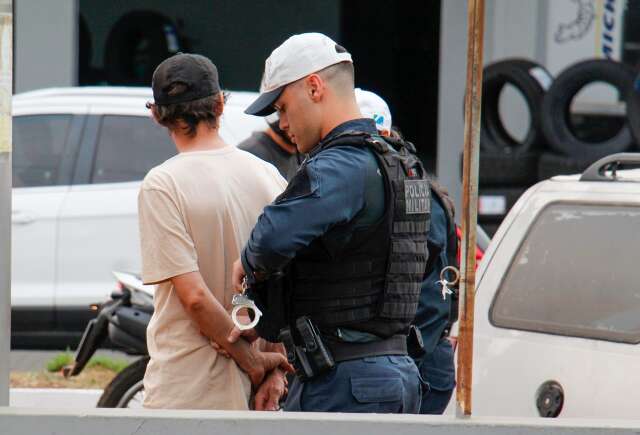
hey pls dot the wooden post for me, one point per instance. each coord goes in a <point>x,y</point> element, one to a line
<point>472,106</point>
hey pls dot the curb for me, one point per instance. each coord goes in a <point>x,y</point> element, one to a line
<point>58,397</point>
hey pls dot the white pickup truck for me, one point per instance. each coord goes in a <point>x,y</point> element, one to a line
<point>557,312</point>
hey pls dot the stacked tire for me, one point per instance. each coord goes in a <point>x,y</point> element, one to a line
<point>569,153</point>
<point>551,146</point>
<point>508,166</point>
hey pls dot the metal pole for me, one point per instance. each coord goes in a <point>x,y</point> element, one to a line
<point>6,72</point>
<point>473,96</point>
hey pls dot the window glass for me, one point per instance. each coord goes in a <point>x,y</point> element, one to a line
<point>38,149</point>
<point>128,147</point>
<point>576,274</point>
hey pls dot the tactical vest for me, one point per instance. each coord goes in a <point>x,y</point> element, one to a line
<point>371,283</point>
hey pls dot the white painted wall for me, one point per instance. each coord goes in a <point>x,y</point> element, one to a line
<point>45,43</point>
<point>513,28</point>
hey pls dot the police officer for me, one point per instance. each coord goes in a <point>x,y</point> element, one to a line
<point>348,234</point>
<point>437,311</point>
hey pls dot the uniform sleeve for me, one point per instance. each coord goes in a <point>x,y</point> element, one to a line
<point>328,191</point>
<point>166,246</point>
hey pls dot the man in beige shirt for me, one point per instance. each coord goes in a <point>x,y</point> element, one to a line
<point>196,211</point>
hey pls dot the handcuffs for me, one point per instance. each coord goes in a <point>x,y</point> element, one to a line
<point>240,301</point>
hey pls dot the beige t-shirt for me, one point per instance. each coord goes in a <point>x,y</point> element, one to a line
<point>196,212</point>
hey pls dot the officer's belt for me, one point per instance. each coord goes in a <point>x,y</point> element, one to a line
<point>343,351</point>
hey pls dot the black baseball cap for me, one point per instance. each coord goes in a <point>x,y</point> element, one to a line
<point>196,72</point>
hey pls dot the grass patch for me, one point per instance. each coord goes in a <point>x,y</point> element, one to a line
<point>98,372</point>
<point>115,365</point>
<point>67,358</point>
<point>59,361</point>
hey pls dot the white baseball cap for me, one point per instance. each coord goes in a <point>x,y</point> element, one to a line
<point>373,106</point>
<point>297,57</point>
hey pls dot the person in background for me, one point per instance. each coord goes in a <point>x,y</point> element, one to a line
<point>436,311</point>
<point>373,106</point>
<point>273,145</point>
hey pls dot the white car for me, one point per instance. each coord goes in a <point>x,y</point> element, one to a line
<point>557,329</point>
<point>79,156</point>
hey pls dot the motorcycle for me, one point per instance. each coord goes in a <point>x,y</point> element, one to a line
<point>121,321</point>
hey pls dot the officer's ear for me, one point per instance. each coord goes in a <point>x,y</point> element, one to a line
<point>315,87</point>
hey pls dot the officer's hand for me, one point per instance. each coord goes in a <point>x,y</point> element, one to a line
<point>237,274</point>
<point>271,391</point>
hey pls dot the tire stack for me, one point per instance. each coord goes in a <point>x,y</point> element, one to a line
<point>569,152</point>
<point>508,166</point>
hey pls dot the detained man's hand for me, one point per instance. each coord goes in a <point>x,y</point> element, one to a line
<point>249,335</point>
<point>263,363</point>
<point>270,392</point>
<point>237,274</point>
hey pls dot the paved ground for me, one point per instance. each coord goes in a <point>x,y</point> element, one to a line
<point>34,360</point>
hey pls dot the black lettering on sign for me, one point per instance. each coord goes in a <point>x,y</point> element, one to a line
<point>417,196</point>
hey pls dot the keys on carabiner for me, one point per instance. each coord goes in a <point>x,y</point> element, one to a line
<point>446,284</point>
<point>445,288</point>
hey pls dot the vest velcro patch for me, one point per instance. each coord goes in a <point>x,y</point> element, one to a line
<point>416,195</point>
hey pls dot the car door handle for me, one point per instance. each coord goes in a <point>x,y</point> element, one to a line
<point>21,218</point>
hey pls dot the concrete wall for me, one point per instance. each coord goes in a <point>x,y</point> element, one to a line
<point>45,43</point>
<point>16,421</point>
<point>513,28</point>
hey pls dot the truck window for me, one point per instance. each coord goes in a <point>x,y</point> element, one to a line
<point>38,148</point>
<point>576,274</point>
<point>128,147</point>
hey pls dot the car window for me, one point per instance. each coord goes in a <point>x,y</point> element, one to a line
<point>38,150</point>
<point>575,274</point>
<point>128,147</point>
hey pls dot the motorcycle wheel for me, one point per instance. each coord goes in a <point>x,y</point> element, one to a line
<point>126,389</point>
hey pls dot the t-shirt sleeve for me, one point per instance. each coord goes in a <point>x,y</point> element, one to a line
<point>166,246</point>
<point>279,181</point>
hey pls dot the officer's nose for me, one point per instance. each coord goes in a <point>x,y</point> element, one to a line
<point>283,123</point>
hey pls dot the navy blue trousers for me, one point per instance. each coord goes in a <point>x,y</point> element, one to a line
<point>438,371</point>
<point>383,384</point>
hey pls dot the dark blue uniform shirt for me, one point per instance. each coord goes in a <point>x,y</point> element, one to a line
<point>433,311</point>
<point>344,183</point>
<point>436,366</point>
